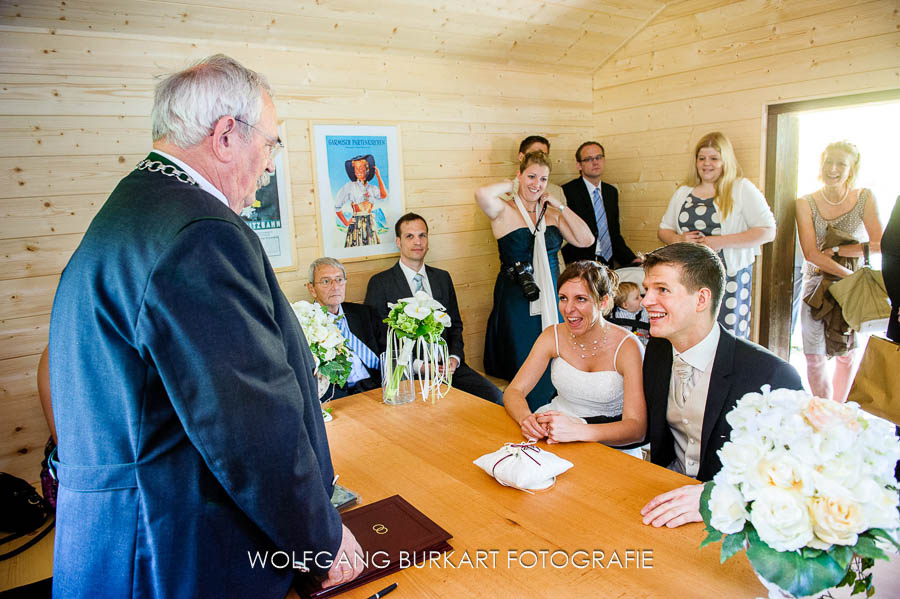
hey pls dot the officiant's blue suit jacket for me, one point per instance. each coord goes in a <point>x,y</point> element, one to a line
<point>190,432</point>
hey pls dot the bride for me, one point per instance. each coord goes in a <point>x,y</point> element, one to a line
<point>594,365</point>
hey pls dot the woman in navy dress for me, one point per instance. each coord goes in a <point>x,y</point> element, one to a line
<point>529,226</point>
<point>722,210</point>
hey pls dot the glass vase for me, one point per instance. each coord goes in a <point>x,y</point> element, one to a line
<point>398,385</point>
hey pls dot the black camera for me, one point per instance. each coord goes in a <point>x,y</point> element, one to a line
<point>521,273</point>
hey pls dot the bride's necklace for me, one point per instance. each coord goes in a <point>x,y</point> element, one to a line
<point>839,202</point>
<point>589,348</point>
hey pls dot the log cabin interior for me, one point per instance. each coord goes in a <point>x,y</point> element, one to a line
<point>463,81</point>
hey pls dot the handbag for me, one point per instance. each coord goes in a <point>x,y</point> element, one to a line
<point>22,511</point>
<point>863,298</point>
<point>876,387</point>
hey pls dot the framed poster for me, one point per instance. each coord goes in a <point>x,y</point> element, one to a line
<point>271,216</point>
<point>359,188</point>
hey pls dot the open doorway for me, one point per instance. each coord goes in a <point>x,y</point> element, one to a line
<point>797,134</point>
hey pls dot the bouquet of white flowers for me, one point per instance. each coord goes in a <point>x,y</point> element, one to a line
<point>807,487</point>
<point>415,324</point>
<point>330,349</point>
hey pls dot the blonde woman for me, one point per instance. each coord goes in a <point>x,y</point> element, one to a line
<point>719,208</point>
<point>837,205</point>
<point>529,226</point>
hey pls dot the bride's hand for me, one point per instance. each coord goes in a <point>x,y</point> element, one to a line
<point>531,429</point>
<point>560,428</point>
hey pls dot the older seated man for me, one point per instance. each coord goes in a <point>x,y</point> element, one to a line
<point>328,286</point>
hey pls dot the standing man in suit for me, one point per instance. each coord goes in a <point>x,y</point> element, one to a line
<point>328,286</point>
<point>190,431</point>
<point>694,373</point>
<point>410,275</point>
<point>597,203</point>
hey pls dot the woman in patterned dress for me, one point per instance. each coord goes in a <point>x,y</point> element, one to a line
<point>839,206</point>
<point>722,210</point>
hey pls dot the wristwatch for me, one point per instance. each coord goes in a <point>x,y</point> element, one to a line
<point>834,250</point>
<point>562,208</point>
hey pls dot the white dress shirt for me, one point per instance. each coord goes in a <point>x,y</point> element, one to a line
<point>410,273</point>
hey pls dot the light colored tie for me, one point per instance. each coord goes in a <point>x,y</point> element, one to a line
<point>420,286</point>
<point>684,380</point>
<point>363,354</point>
<point>604,245</point>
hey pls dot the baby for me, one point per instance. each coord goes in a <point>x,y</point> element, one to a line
<point>629,313</point>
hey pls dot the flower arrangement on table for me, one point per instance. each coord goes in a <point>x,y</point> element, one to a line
<point>330,349</point>
<point>807,488</point>
<point>415,325</point>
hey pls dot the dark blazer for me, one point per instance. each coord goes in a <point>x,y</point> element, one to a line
<point>362,322</point>
<point>190,430</point>
<point>391,285</point>
<point>578,199</point>
<point>739,367</point>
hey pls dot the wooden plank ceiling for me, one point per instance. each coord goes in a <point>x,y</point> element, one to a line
<point>577,35</point>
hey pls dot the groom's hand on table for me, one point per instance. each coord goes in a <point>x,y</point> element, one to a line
<point>674,508</point>
<point>348,563</point>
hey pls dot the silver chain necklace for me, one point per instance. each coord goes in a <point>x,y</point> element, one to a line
<point>155,166</point>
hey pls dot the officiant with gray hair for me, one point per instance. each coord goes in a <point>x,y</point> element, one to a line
<point>328,286</point>
<point>190,432</point>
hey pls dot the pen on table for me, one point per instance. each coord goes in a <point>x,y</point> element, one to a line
<point>384,591</point>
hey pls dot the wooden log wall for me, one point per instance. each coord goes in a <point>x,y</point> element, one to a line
<point>75,119</point>
<point>703,66</point>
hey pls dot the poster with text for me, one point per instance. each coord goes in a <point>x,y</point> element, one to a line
<point>359,184</point>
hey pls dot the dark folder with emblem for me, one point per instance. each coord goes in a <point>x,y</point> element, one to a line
<point>393,534</point>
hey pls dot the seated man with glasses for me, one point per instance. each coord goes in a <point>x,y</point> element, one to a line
<point>328,286</point>
<point>597,203</point>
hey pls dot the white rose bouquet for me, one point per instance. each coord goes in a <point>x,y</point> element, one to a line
<point>807,487</point>
<point>330,349</point>
<point>415,325</point>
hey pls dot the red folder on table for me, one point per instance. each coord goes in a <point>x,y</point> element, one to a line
<point>393,534</point>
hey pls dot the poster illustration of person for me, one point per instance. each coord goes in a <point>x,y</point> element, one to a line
<point>359,186</point>
<point>362,226</point>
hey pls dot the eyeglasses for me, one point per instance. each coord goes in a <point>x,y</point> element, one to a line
<point>328,281</point>
<point>596,158</point>
<point>275,144</point>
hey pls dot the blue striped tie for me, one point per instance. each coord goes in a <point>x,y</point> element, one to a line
<point>361,350</point>
<point>604,246</point>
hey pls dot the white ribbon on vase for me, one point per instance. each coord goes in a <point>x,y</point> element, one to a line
<point>545,304</point>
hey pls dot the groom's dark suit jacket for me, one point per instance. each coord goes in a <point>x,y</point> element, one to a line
<point>578,199</point>
<point>739,367</point>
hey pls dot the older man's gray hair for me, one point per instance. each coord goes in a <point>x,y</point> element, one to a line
<point>187,104</point>
<point>326,261</point>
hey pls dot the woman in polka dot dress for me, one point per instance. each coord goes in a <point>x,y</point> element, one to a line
<point>721,209</point>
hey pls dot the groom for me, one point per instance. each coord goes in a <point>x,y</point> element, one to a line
<point>694,373</point>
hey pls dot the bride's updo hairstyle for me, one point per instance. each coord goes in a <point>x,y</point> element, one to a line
<point>600,280</point>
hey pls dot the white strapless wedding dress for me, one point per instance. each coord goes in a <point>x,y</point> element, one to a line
<point>583,394</point>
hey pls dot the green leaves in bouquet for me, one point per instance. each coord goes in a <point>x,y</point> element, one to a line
<point>413,328</point>
<point>337,371</point>
<point>798,573</point>
<point>732,543</point>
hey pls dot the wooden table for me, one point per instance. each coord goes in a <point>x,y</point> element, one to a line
<point>424,452</point>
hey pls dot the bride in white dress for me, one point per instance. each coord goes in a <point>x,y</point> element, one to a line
<point>594,365</point>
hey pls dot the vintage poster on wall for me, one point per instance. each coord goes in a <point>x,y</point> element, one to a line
<point>359,185</point>
<point>270,216</point>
